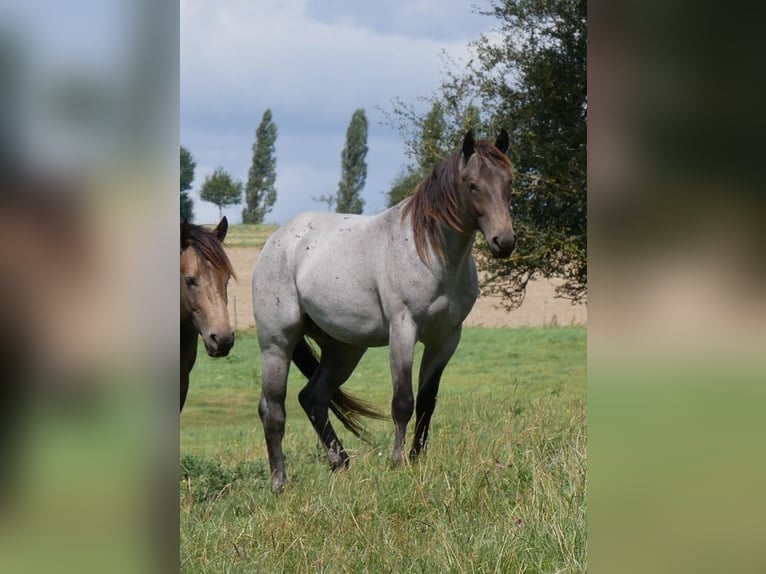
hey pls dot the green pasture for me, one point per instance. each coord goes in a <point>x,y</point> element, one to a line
<point>500,489</point>
<point>247,235</point>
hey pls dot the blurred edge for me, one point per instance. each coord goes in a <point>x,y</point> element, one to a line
<point>88,212</point>
<point>88,159</point>
<point>677,317</point>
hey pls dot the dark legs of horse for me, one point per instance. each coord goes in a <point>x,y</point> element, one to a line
<point>184,388</point>
<point>338,362</point>
<point>435,358</point>
<point>188,350</point>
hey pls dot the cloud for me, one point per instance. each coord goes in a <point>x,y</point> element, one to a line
<point>313,69</point>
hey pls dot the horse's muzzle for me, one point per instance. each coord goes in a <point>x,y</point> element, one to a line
<point>219,344</point>
<point>502,245</point>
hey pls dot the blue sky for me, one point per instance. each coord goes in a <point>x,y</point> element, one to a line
<point>313,63</point>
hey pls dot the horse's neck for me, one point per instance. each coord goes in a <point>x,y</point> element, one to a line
<point>187,325</point>
<point>457,246</point>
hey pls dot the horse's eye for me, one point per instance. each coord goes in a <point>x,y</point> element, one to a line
<point>191,281</point>
<point>473,187</point>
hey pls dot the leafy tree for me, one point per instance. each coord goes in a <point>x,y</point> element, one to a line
<point>260,191</point>
<point>528,76</point>
<point>404,184</point>
<point>221,189</point>
<point>187,177</point>
<point>353,166</point>
<point>427,149</point>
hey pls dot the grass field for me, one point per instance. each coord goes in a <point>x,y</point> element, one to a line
<point>501,488</point>
<point>245,235</point>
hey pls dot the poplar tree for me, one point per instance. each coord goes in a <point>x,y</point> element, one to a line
<point>353,166</point>
<point>187,177</point>
<point>260,190</point>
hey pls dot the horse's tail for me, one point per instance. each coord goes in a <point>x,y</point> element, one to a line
<point>348,409</point>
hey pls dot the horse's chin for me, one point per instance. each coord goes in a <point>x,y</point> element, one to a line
<point>501,252</point>
<point>219,347</point>
<point>215,352</point>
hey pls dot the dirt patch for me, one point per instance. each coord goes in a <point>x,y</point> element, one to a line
<point>540,308</point>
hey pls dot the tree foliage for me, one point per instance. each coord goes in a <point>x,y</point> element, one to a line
<point>428,146</point>
<point>221,189</point>
<point>404,184</point>
<point>187,177</point>
<point>261,191</point>
<point>529,76</point>
<point>353,166</point>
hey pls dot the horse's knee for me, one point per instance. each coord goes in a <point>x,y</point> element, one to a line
<point>402,406</point>
<point>426,404</point>
<point>272,415</point>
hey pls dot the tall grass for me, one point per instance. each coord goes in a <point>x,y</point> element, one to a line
<point>501,488</point>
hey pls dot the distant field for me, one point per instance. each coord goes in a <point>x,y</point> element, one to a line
<point>501,488</point>
<point>245,235</point>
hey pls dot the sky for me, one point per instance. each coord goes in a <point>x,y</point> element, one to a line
<point>312,63</point>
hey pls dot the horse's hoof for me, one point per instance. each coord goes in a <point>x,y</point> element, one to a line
<point>398,460</point>
<point>337,461</point>
<point>278,485</point>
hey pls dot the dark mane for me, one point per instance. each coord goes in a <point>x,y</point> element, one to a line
<point>435,202</point>
<point>209,247</point>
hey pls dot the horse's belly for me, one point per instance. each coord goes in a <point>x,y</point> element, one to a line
<point>355,325</point>
<point>345,309</point>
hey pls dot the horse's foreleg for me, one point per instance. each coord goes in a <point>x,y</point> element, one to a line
<point>402,338</point>
<point>435,357</point>
<point>274,369</point>
<point>188,357</point>
<point>184,388</point>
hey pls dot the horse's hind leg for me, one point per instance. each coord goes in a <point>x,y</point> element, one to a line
<point>337,363</point>
<point>436,355</point>
<point>275,363</point>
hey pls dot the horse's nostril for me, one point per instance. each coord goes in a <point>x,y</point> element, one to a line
<point>214,338</point>
<point>504,242</point>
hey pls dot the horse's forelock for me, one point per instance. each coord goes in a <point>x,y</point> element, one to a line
<point>487,150</point>
<point>210,248</point>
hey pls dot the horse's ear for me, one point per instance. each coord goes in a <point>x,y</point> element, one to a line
<point>223,227</point>
<point>502,141</point>
<point>185,232</point>
<point>469,145</point>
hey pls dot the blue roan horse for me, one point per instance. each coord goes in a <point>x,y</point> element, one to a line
<point>351,282</point>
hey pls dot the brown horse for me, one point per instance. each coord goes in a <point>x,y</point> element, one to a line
<point>205,272</point>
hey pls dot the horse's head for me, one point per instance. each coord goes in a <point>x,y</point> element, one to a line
<point>205,272</point>
<point>486,175</point>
